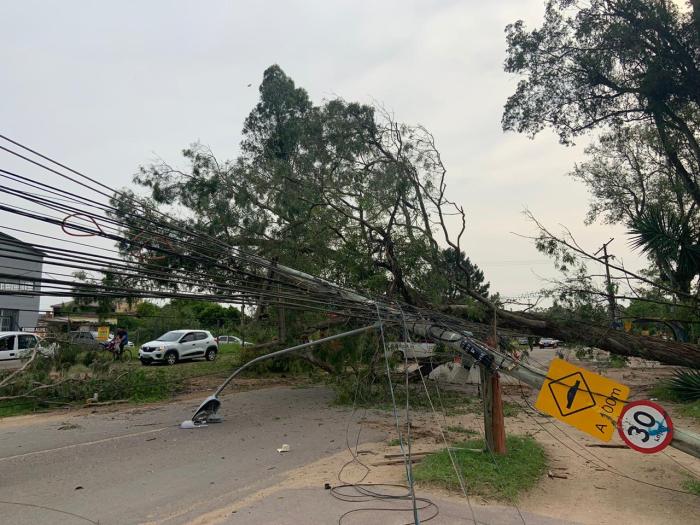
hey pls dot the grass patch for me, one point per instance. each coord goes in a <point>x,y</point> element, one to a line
<point>689,409</point>
<point>496,477</point>
<point>461,430</point>
<point>394,442</point>
<point>18,407</point>
<point>692,486</point>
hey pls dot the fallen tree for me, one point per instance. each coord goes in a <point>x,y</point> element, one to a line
<point>614,341</point>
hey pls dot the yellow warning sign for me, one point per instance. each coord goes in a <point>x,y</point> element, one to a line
<point>582,399</point>
<point>102,333</point>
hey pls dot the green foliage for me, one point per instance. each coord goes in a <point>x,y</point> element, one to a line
<point>339,190</point>
<point>628,68</point>
<point>683,389</point>
<point>672,241</point>
<point>597,63</point>
<point>684,386</point>
<point>618,361</point>
<point>490,476</point>
<point>372,391</point>
<point>152,320</point>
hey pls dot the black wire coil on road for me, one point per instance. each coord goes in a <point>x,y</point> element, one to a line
<point>364,492</point>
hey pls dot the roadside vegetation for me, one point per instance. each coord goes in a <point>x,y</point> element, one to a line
<point>74,376</point>
<point>692,486</point>
<point>497,477</point>
<point>374,393</point>
<point>682,388</point>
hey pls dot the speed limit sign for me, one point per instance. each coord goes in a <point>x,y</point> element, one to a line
<point>645,427</point>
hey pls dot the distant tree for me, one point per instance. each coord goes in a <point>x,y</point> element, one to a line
<point>457,281</point>
<point>603,63</point>
<point>631,70</point>
<point>632,183</point>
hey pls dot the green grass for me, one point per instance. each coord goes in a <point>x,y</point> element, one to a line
<point>689,409</point>
<point>491,476</point>
<point>692,486</point>
<point>17,407</point>
<point>460,430</point>
<point>394,442</point>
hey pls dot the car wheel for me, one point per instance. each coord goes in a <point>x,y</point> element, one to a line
<point>170,358</point>
<point>210,355</point>
<point>145,363</point>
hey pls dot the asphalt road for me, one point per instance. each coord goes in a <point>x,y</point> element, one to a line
<point>137,466</point>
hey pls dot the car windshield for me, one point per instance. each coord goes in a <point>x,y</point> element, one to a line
<point>170,336</point>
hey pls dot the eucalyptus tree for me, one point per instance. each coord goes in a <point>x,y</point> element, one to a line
<point>340,190</point>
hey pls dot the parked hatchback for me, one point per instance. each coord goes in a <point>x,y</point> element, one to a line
<point>178,345</point>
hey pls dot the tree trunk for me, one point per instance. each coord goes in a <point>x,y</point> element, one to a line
<point>605,338</point>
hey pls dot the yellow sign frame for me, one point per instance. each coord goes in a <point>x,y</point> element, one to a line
<point>102,333</point>
<point>580,398</point>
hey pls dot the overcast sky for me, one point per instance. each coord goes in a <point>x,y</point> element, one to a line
<point>107,86</point>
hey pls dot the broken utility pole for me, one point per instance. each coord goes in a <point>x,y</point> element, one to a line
<point>494,424</point>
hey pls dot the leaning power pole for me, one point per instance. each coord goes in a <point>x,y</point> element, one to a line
<point>609,286</point>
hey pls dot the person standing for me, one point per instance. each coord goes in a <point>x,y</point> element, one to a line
<point>122,339</point>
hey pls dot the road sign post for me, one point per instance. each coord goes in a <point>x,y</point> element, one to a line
<point>645,426</point>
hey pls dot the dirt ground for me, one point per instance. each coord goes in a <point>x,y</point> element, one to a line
<point>591,485</point>
<point>587,484</point>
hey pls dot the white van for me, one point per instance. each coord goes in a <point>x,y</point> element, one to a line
<point>14,345</point>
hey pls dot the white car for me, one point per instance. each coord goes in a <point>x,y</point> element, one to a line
<point>548,342</point>
<point>177,345</point>
<point>16,345</point>
<point>411,351</point>
<point>232,339</point>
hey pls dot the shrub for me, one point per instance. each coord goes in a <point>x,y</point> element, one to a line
<point>684,386</point>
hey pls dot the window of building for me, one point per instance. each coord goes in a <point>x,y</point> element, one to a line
<point>8,319</point>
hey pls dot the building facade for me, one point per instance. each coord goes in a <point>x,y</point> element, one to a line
<point>20,263</point>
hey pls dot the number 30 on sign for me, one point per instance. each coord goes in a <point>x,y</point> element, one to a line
<point>645,427</point>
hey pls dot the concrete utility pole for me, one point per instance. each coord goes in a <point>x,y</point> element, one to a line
<point>471,349</point>
<point>610,290</point>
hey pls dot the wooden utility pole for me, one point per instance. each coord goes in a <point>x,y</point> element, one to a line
<point>494,424</point>
<point>609,287</point>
